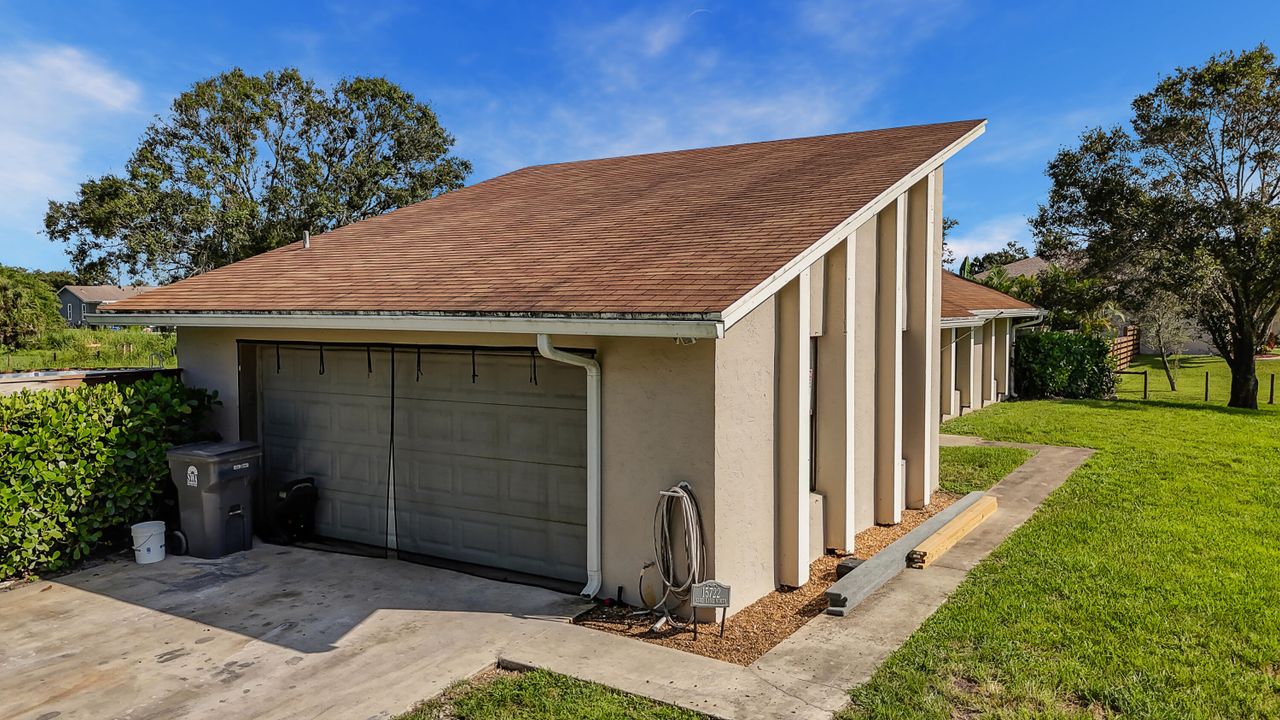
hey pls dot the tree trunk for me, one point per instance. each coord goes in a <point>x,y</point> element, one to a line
<point>1244,379</point>
<point>1164,359</point>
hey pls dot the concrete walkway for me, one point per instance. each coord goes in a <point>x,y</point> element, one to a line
<point>290,633</point>
<point>809,674</point>
<point>841,653</point>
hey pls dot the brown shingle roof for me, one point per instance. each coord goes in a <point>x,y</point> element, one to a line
<point>960,298</point>
<point>105,293</point>
<point>673,233</point>
<point>1030,267</point>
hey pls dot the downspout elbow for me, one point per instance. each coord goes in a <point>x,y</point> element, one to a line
<point>594,458</point>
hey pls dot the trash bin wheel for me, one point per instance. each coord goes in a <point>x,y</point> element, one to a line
<point>177,543</point>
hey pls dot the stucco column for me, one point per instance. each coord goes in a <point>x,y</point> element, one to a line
<point>831,396</point>
<point>1002,327</point>
<point>920,357</point>
<point>966,350</point>
<point>987,379</point>
<point>793,303</point>
<point>890,495</point>
<point>947,384</point>
<point>862,283</point>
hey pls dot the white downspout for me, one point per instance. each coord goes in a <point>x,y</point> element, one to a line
<point>592,367</point>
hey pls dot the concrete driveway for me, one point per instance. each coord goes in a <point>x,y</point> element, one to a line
<point>275,632</point>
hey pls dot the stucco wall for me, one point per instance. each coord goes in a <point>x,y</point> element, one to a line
<point>658,424</point>
<point>792,538</point>
<point>862,434</point>
<point>744,456</point>
<point>829,409</point>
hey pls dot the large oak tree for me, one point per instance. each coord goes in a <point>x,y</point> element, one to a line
<point>1187,200</point>
<point>245,163</point>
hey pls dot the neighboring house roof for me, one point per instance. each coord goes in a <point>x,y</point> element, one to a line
<point>967,299</point>
<point>105,293</point>
<point>1029,267</point>
<point>675,234</point>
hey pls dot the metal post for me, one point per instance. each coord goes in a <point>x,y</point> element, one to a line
<point>1206,386</point>
<point>1144,384</point>
<point>1272,400</point>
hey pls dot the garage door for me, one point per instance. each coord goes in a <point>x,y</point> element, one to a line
<point>489,455</point>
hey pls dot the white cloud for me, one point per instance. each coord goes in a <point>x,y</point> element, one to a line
<point>877,27</point>
<point>663,79</point>
<point>989,235</point>
<point>53,97</point>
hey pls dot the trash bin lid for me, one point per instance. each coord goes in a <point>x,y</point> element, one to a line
<point>211,451</point>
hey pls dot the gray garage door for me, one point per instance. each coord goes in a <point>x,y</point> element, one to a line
<point>489,451</point>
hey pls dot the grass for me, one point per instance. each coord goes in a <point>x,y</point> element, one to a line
<point>963,470</point>
<point>540,695</point>
<point>1189,376</point>
<point>1147,586</point>
<point>84,348</point>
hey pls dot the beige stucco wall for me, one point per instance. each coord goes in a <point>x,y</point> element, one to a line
<point>658,424</point>
<point>792,534</point>
<point>829,411</point>
<point>987,373</point>
<point>745,470</point>
<point>863,276</point>
<point>947,394</point>
<point>889,489</point>
<point>1001,327</point>
<point>920,358</point>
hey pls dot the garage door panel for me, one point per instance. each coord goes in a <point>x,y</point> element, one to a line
<point>541,492</point>
<point>540,435</point>
<point>491,472</point>
<point>521,544</point>
<point>334,428</point>
<point>500,380</point>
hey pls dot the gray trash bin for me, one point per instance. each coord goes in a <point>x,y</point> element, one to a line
<point>215,495</point>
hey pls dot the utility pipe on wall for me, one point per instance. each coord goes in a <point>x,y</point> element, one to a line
<point>594,457</point>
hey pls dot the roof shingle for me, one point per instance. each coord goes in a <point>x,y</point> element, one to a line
<point>674,233</point>
<point>961,298</point>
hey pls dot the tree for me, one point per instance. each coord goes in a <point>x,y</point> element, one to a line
<point>1011,252</point>
<point>1163,319</point>
<point>1186,200</point>
<point>28,308</point>
<point>245,163</point>
<point>948,255</point>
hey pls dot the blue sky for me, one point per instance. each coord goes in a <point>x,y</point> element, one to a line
<point>524,83</point>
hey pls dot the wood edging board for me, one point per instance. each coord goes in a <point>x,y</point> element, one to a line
<point>937,544</point>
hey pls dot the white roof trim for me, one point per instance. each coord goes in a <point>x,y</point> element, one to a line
<point>775,282</point>
<point>426,323</point>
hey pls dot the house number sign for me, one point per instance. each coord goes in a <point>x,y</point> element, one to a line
<point>709,594</point>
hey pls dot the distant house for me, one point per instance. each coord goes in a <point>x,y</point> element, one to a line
<point>75,301</point>
<point>1029,267</point>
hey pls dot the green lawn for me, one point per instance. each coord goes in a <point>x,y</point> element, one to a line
<point>963,470</point>
<point>1190,378</point>
<point>84,348</point>
<point>1148,586</point>
<point>540,695</point>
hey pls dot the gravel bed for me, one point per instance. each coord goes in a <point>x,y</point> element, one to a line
<point>759,627</point>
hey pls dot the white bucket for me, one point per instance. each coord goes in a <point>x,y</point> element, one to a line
<point>148,542</point>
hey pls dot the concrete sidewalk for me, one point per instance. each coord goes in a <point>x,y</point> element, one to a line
<point>809,674</point>
<point>842,653</point>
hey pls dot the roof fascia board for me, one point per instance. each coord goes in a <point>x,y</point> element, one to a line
<point>962,322</point>
<point>775,282</point>
<point>1019,312</point>
<point>425,323</point>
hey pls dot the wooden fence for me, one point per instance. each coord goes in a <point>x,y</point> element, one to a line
<point>1124,348</point>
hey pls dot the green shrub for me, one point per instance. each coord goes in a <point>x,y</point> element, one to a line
<point>1063,365</point>
<point>79,465</point>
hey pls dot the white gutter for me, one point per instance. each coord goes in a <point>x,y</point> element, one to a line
<point>709,327</point>
<point>594,458</point>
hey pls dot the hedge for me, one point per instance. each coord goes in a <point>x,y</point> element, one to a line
<point>79,465</point>
<point>1063,365</point>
